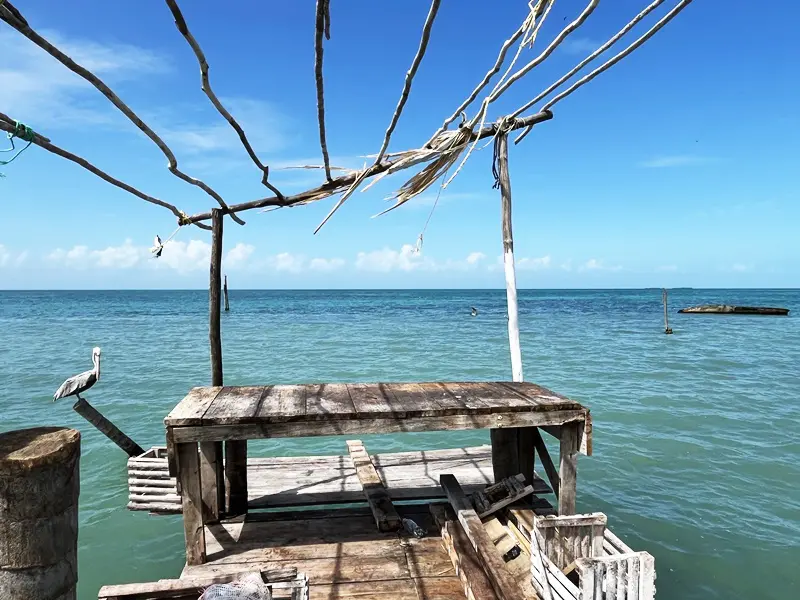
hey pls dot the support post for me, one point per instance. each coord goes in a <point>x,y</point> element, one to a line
<point>107,428</point>
<point>39,488</point>
<point>568,468</point>
<point>507,444</point>
<point>667,328</point>
<point>225,292</point>
<point>192,503</point>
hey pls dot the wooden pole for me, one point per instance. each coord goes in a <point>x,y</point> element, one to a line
<point>667,328</point>
<point>107,428</point>
<point>225,291</point>
<point>235,462</point>
<point>39,488</point>
<point>513,448</point>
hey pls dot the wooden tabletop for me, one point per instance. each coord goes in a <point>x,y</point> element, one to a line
<point>215,406</point>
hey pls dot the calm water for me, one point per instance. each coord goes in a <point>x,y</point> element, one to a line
<point>697,458</point>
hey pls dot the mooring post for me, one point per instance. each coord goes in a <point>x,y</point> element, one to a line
<point>667,328</point>
<point>235,462</point>
<point>512,449</point>
<point>107,428</point>
<point>39,488</point>
<point>225,290</point>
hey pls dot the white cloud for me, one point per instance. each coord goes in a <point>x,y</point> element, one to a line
<point>386,260</point>
<point>567,265</point>
<point>237,257</point>
<point>39,90</point>
<point>680,160</point>
<point>124,256</point>
<point>285,261</point>
<point>475,257</point>
<point>594,264</point>
<point>326,264</point>
<point>533,264</point>
<point>185,257</point>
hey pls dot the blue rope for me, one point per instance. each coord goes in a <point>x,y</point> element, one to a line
<point>22,132</point>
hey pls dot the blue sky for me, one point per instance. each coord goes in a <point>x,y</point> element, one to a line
<point>671,169</point>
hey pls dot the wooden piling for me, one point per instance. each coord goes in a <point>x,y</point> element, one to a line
<point>39,488</point>
<point>107,428</point>
<point>667,328</point>
<point>235,462</point>
<point>225,292</point>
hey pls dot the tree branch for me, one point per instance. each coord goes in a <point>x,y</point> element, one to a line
<point>323,27</point>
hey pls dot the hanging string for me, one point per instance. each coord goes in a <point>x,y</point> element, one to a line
<point>22,132</point>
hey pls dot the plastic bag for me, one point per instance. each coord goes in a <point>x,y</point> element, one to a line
<point>251,587</point>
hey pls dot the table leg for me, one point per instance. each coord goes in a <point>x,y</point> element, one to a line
<point>212,480</point>
<point>513,452</point>
<point>568,467</point>
<point>192,500</point>
<point>236,476</point>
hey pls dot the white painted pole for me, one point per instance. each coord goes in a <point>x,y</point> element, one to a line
<point>508,257</point>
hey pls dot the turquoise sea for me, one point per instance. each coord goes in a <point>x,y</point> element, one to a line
<point>697,452</point>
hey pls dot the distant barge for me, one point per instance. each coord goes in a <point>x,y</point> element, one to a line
<point>726,309</point>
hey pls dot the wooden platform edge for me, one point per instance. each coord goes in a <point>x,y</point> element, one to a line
<point>377,496</point>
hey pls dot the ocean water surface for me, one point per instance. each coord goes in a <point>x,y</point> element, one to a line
<point>696,435</point>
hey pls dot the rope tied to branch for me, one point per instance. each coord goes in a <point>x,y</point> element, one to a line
<point>504,126</point>
<point>184,219</point>
<point>22,132</point>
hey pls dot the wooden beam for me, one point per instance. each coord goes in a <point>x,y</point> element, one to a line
<point>547,462</point>
<point>500,495</point>
<point>380,504</point>
<point>214,288</point>
<point>501,579</point>
<point>107,428</point>
<point>192,502</point>
<point>463,556</point>
<point>213,482</point>
<point>568,468</point>
<point>236,477</point>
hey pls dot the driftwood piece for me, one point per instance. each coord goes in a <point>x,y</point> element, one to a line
<point>501,579</point>
<point>383,510</point>
<point>726,309</point>
<point>39,487</point>
<point>322,28</point>
<point>465,560</point>
<point>500,495</point>
<point>107,428</point>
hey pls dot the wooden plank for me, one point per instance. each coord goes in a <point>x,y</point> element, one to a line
<point>505,452</point>
<point>328,401</point>
<point>399,589</point>
<point>465,394</point>
<point>502,581</point>
<point>107,428</point>
<point>474,580</point>
<point>547,462</point>
<point>253,431</point>
<point>192,503</point>
<point>375,400</point>
<point>191,409</point>
<point>438,588</point>
<point>383,510</point>
<point>568,469</point>
<point>413,394</point>
<point>565,539</point>
<point>235,405</point>
<point>502,494</point>
<point>448,403</point>
<point>213,482</point>
<point>425,556</point>
<point>519,567</point>
<point>282,403</point>
<point>214,285</point>
<point>501,398</point>
<point>539,395</point>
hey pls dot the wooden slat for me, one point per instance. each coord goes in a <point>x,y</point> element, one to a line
<point>401,589</point>
<point>465,394</point>
<point>474,580</point>
<point>568,469</point>
<point>438,588</point>
<point>502,581</point>
<point>191,409</point>
<point>502,398</point>
<point>234,405</point>
<point>519,567</point>
<point>368,425</point>
<point>328,401</point>
<point>374,400</point>
<point>540,396</point>
<point>425,556</point>
<point>383,510</point>
<point>566,539</point>
<point>192,503</point>
<point>211,477</point>
<point>413,394</point>
<point>282,403</point>
<point>547,462</point>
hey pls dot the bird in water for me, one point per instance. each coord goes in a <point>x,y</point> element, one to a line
<point>157,248</point>
<point>474,312</point>
<point>80,383</point>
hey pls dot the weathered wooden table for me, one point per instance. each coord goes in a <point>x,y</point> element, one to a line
<point>209,416</point>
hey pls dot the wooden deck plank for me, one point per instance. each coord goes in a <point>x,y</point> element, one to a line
<point>539,395</point>
<point>502,398</point>
<point>386,517</point>
<point>413,394</point>
<point>426,557</point>
<point>282,403</point>
<point>191,409</point>
<point>328,401</point>
<point>438,588</point>
<point>286,481</point>
<point>234,405</point>
<point>375,400</point>
<point>402,589</point>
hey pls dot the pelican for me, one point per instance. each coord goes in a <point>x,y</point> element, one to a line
<point>474,312</point>
<point>158,247</point>
<point>80,383</point>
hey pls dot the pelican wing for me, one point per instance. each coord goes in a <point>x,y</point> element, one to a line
<point>76,385</point>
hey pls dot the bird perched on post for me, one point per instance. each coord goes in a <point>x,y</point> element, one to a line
<point>80,383</point>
